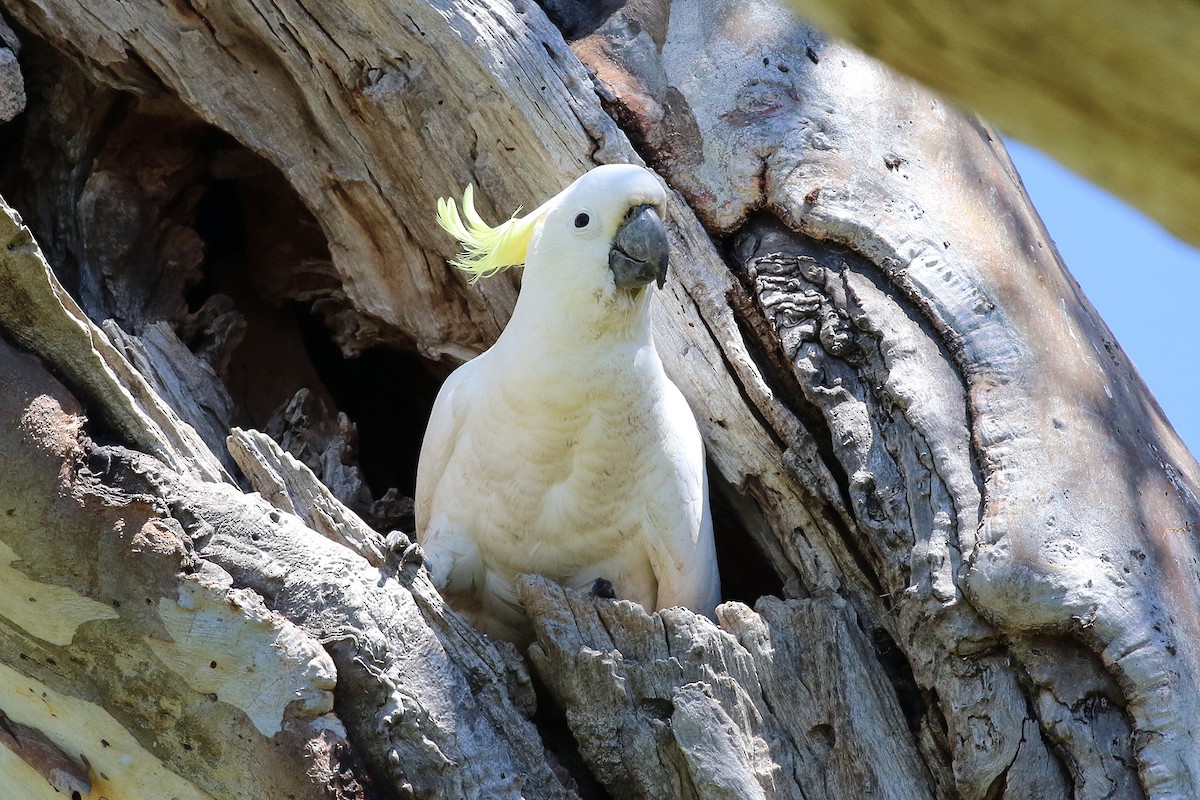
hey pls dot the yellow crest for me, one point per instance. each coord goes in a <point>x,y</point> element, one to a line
<point>486,250</point>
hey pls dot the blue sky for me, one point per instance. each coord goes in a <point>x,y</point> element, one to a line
<point>1152,310</point>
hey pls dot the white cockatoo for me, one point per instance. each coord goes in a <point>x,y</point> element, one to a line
<point>564,450</point>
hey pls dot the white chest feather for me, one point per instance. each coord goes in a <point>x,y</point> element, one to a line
<point>568,468</point>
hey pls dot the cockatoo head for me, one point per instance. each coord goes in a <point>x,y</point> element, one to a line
<point>599,243</point>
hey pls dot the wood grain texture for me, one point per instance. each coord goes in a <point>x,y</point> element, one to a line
<point>41,316</point>
<point>786,702</point>
<point>195,688</point>
<point>905,399</point>
<point>961,377</point>
<point>127,666</point>
<point>290,486</point>
<point>437,708</point>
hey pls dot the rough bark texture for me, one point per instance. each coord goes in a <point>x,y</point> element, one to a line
<point>786,702</point>
<point>193,688</point>
<point>977,518</point>
<point>1106,92</point>
<point>129,666</point>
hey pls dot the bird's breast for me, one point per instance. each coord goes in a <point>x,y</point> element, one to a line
<point>565,470</point>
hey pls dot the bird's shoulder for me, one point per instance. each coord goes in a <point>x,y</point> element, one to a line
<point>461,387</point>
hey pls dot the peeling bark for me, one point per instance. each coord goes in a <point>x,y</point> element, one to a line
<point>127,665</point>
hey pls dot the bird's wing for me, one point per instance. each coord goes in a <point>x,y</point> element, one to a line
<point>682,555</point>
<point>438,445</point>
<point>451,553</point>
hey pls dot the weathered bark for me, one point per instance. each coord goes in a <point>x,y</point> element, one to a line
<point>978,517</point>
<point>788,702</point>
<point>137,666</point>
<point>1107,92</point>
<point>191,688</point>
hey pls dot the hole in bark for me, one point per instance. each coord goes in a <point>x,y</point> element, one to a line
<point>577,19</point>
<point>824,734</point>
<point>899,672</point>
<point>388,393</point>
<point>251,269</point>
<point>178,222</point>
<point>266,253</point>
<point>658,708</point>
<point>746,572</point>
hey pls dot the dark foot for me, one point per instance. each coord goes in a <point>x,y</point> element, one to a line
<point>604,588</point>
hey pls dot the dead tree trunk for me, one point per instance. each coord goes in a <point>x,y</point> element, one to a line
<point>963,524</point>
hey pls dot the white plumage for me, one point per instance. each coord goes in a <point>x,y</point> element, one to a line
<point>565,450</point>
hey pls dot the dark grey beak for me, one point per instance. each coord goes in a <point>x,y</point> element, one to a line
<point>639,251</point>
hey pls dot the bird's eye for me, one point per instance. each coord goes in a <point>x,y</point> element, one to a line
<point>582,220</point>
